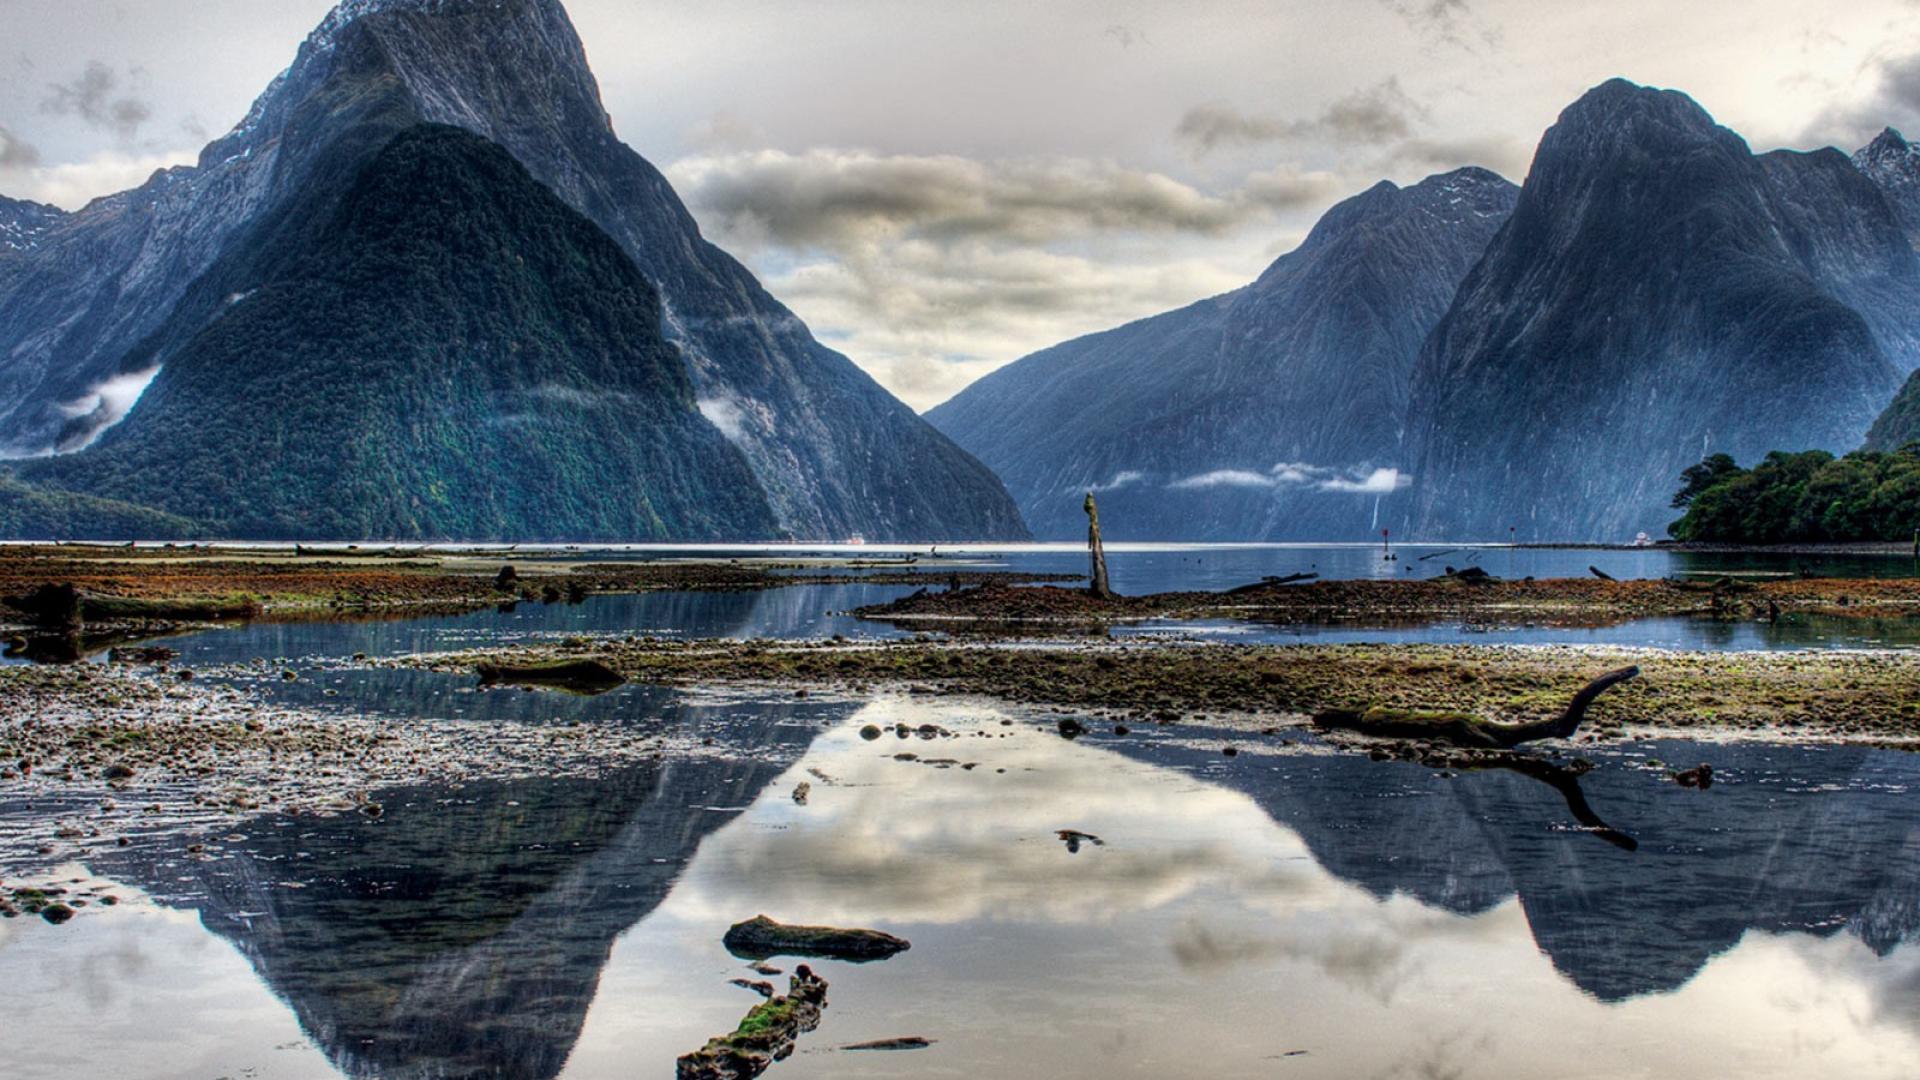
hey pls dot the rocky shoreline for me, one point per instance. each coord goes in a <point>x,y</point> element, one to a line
<point>96,756</point>
<point>1467,597</point>
<point>1833,696</point>
<point>305,583</point>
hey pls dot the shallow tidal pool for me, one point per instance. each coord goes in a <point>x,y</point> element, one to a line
<point>1287,911</point>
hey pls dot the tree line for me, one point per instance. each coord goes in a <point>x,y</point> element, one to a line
<point>1809,496</point>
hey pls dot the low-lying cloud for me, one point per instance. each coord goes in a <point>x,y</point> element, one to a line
<point>1363,481</point>
<point>108,402</point>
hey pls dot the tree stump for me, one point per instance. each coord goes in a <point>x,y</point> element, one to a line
<point>1099,588</point>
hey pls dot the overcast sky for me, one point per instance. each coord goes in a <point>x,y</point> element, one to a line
<point>941,186</point>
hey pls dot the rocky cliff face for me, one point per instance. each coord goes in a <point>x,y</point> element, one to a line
<point>1899,424</point>
<point>1893,165</point>
<point>1659,293</point>
<point>832,451</point>
<point>1273,412</point>
<point>446,351</point>
<point>23,223</point>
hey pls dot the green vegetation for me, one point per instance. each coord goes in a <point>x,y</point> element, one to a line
<point>444,349</point>
<point>33,513</point>
<point>1805,497</point>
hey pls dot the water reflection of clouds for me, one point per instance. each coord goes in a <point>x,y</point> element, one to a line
<point>144,992</point>
<point>1203,931</point>
<point>912,843</point>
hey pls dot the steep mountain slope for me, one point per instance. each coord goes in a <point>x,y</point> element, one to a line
<point>1273,412</point>
<point>1658,293</point>
<point>832,450</point>
<point>450,351</point>
<point>32,513</point>
<point>22,224</point>
<point>1893,164</point>
<point>1899,424</point>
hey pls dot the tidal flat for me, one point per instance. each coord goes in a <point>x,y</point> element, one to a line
<point>1832,696</point>
<point>325,843</point>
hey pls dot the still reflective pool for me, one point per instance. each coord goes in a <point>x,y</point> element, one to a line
<point>1288,911</point>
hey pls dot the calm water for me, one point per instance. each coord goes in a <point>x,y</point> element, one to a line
<point>1284,912</point>
<point>819,611</point>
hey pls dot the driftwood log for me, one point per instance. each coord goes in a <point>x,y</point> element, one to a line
<point>765,1035</point>
<point>1465,729</point>
<point>579,676</point>
<point>1270,582</point>
<point>1718,585</point>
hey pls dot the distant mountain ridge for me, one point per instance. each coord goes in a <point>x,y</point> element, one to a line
<point>1272,412</point>
<point>1659,293</point>
<point>112,290</point>
<point>1548,363</point>
<point>22,223</point>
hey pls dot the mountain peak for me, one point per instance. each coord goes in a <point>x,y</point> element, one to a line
<point>1888,150</point>
<point>349,11</point>
<point>1629,110</point>
<point>22,222</point>
<point>1893,164</point>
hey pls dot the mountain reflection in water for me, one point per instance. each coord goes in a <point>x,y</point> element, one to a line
<point>1384,920</point>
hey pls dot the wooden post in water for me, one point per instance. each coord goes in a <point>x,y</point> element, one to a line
<point>1099,587</point>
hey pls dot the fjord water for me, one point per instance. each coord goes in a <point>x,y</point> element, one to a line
<point>820,611</point>
<point>1287,911</point>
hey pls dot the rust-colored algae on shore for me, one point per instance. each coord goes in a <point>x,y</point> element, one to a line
<point>1551,602</point>
<point>283,582</point>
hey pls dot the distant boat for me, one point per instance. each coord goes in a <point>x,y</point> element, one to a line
<point>857,540</point>
<point>1642,540</point>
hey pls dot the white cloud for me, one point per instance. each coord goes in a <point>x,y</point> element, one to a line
<point>1376,481</point>
<point>725,414</point>
<point>73,184</point>
<point>932,270</point>
<point>1227,478</point>
<point>109,402</point>
<point>1121,479</point>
